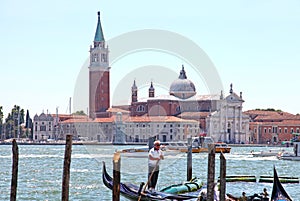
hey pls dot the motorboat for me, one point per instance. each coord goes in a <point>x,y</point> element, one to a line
<point>294,156</point>
<point>199,145</point>
<point>267,153</point>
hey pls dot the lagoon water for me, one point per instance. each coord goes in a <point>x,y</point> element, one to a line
<point>41,169</point>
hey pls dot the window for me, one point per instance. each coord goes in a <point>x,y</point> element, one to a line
<point>43,128</point>
<point>95,57</point>
<point>285,130</point>
<point>140,108</point>
<point>103,58</point>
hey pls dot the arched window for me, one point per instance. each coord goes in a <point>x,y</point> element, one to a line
<point>140,108</point>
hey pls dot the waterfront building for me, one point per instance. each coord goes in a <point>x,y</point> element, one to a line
<point>274,127</point>
<point>43,127</point>
<point>169,117</point>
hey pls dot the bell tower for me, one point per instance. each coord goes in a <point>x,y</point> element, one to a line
<point>99,94</point>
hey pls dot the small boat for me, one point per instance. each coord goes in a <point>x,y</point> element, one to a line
<point>199,145</point>
<point>134,192</point>
<point>288,156</point>
<point>142,152</point>
<point>268,153</point>
<point>222,147</point>
<point>180,146</point>
<point>278,192</point>
<point>293,156</point>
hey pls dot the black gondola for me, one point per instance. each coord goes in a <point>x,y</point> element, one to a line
<point>278,192</point>
<point>132,191</point>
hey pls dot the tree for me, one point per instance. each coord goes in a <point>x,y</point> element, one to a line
<point>13,122</point>
<point>81,112</point>
<point>28,126</point>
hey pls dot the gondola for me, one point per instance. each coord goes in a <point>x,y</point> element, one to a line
<point>278,192</point>
<point>133,192</point>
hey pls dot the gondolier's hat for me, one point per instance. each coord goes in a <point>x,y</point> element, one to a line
<point>156,142</point>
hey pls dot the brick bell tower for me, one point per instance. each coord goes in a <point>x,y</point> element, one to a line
<point>99,94</point>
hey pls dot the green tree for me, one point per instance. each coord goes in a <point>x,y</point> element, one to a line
<point>13,122</point>
<point>28,126</point>
<point>81,112</point>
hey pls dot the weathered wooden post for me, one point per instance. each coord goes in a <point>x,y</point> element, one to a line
<point>211,172</point>
<point>116,176</point>
<point>66,171</point>
<point>222,177</point>
<point>189,160</point>
<point>14,177</point>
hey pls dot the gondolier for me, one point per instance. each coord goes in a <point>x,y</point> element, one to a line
<point>155,155</point>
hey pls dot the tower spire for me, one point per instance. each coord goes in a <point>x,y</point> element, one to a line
<point>99,36</point>
<point>151,90</point>
<point>134,91</point>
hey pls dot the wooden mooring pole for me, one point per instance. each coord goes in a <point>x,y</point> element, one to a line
<point>189,160</point>
<point>14,177</point>
<point>116,176</point>
<point>222,177</point>
<point>66,171</point>
<point>211,172</point>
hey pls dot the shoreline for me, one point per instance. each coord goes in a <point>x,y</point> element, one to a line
<point>130,143</point>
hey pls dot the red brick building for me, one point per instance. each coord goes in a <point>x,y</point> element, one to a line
<point>273,126</point>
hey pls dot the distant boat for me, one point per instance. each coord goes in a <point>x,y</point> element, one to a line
<point>199,145</point>
<point>294,156</point>
<point>278,192</point>
<point>268,153</point>
<point>142,152</point>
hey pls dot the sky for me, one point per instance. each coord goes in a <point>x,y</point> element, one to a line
<point>254,45</point>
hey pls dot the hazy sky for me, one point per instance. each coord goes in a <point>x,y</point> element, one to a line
<point>253,44</point>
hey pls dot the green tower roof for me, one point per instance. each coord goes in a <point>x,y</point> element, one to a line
<point>99,37</point>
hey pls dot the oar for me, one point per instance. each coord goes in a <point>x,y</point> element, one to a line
<point>149,178</point>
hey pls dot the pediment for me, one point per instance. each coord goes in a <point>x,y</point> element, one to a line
<point>233,97</point>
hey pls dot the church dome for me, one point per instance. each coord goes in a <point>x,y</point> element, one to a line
<point>182,87</point>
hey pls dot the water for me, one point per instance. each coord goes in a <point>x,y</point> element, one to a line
<point>41,169</point>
